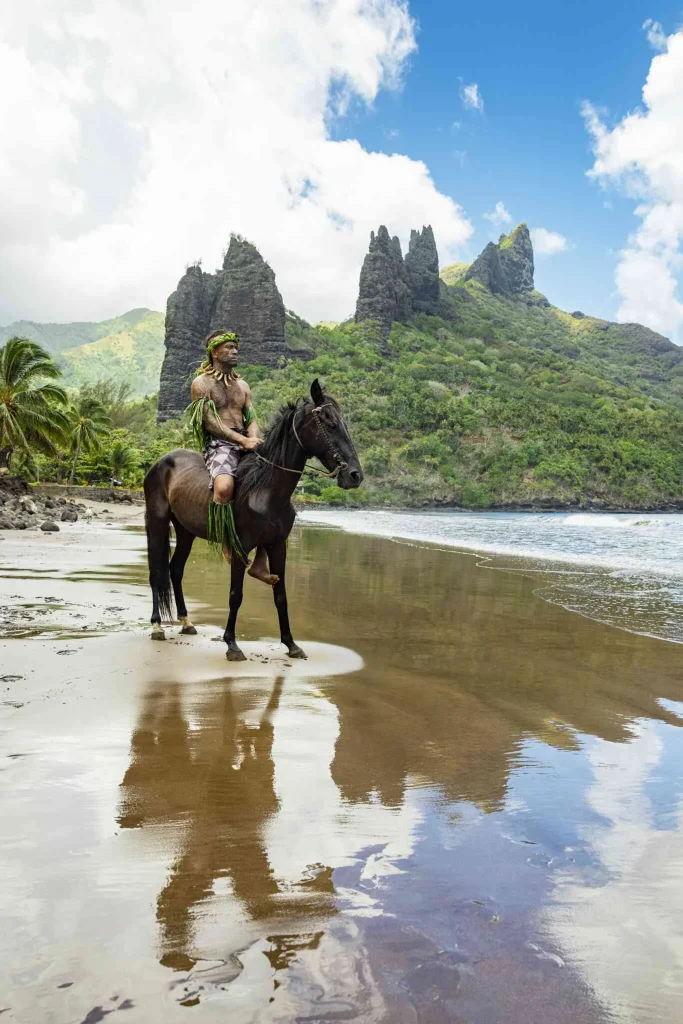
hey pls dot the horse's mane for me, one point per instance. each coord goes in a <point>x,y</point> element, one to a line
<point>252,473</point>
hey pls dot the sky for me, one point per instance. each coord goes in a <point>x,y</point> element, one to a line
<point>138,134</point>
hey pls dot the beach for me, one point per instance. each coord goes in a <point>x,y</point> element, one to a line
<point>465,806</point>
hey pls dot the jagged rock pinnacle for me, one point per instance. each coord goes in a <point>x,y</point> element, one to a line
<point>241,297</point>
<point>393,289</point>
<point>508,267</point>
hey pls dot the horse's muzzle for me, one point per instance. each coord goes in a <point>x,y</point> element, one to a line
<point>350,477</point>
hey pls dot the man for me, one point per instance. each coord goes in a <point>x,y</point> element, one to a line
<point>229,429</point>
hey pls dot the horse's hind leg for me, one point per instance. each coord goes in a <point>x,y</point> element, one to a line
<point>183,545</point>
<point>158,525</point>
<point>158,551</point>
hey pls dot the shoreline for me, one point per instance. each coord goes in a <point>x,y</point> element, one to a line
<point>533,507</point>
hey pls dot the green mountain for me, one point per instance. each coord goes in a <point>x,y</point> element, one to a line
<point>128,347</point>
<point>500,399</point>
<point>465,388</point>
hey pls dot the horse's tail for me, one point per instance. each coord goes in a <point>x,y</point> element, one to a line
<point>158,527</point>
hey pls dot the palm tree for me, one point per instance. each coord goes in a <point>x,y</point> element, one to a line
<point>115,395</point>
<point>123,459</point>
<point>32,408</point>
<point>89,421</point>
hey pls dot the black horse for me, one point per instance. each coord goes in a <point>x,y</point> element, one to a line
<point>177,491</point>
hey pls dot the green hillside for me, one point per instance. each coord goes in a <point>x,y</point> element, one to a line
<point>126,348</point>
<point>514,402</point>
<point>500,400</point>
<point>626,354</point>
<point>132,354</point>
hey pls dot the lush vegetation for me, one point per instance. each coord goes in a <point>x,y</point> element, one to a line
<point>508,402</point>
<point>125,348</point>
<point>443,415</point>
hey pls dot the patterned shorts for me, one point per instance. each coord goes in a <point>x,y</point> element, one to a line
<point>221,457</point>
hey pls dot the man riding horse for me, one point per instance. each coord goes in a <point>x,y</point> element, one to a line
<point>222,399</point>
<point>244,501</point>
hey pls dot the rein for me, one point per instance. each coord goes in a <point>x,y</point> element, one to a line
<point>341,464</point>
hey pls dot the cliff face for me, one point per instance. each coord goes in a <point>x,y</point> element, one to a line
<point>487,270</point>
<point>241,297</point>
<point>508,267</point>
<point>383,292</point>
<point>422,266</point>
<point>393,289</point>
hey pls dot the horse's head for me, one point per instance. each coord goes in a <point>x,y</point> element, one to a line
<point>322,433</point>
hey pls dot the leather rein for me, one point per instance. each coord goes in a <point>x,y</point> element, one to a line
<point>327,441</point>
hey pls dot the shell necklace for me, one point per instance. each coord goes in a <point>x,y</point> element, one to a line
<point>228,378</point>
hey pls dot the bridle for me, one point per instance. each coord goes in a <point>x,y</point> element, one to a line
<point>327,441</point>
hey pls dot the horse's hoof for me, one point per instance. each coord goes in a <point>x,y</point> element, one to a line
<point>235,655</point>
<point>296,652</point>
<point>158,634</point>
<point>188,631</point>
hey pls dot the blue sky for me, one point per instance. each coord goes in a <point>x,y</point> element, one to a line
<point>135,142</point>
<point>535,64</point>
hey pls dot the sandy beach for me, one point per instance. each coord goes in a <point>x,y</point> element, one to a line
<point>465,806</point>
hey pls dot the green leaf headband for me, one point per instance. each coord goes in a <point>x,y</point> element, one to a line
<point>214,343</point>
<point>220,340</point>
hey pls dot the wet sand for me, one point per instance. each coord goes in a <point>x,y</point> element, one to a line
<point>466,806</point>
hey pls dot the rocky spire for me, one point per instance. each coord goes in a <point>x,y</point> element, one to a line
<point>187,324</point>
<point>488,271</point>
<point>248,302</point>
<point>517,259</point>
<point>422,266</point>
<point>241,297</point>
<point>507,268</point>
<point>383,292</point>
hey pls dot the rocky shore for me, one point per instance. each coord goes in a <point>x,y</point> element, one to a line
<point>21,508</point>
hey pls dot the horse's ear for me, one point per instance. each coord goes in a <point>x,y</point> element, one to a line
<point>317,393</point>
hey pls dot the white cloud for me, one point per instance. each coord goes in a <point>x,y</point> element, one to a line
<point>643,156</point>
<point>547,243</point>
<point>471,97</point>
<point>499,215</point>
<point>656,36</point>
<point>135,139</point>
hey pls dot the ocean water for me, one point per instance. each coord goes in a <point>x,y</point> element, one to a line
<point>622,569</point>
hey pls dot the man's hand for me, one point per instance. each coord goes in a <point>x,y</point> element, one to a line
<point>249,443</point>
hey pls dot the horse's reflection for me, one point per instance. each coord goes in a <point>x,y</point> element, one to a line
<point>209,783</point>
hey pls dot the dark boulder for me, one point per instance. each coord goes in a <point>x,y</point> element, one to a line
<point>69,516</point>
<point>49,527</point>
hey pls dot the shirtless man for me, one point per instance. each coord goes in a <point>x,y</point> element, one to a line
<point>233,432</point>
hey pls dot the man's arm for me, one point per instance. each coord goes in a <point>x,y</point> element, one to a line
<point>252,440</point>
<point>213,423</point>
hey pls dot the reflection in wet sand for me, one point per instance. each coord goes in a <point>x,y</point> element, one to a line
<point>472,811</point>
<point>216,782</point>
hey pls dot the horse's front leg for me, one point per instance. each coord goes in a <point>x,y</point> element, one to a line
<point>277,557</point>
<point>237,569</point>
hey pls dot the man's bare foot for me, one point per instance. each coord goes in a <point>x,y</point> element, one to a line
<point>259,569</point>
